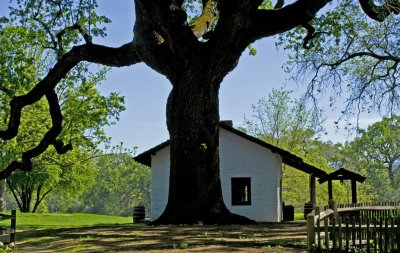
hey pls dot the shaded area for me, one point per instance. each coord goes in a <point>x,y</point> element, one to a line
<point>267,237</point>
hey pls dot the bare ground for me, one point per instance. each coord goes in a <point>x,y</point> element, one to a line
<point>270,237</point>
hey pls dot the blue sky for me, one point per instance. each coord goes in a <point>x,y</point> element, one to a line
<point>146,91</point>
<point>143,123</point>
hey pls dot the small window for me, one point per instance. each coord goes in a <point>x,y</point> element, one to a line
<point>241,191</point>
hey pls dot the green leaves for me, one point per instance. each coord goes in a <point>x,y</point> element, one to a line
<point>121,183</point>
<point>252,50</point>
<point>266,5</point>
<point>18,62</point>
<point>281,120</point>
<point>23,62</point>
<point>290,124</point>
<point>62,23</point>
<point>352,56</point>
<point>376,154</point>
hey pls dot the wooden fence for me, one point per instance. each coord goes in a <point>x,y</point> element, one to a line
<point>373,227</point>
<point>7,235</point>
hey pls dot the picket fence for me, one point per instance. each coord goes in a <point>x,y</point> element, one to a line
<point>371,227</point>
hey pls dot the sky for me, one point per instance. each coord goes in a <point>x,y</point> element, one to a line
<point>143,123</point>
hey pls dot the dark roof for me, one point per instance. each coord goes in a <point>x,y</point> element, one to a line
<point>287,157</point>
<point>145,157</point>
<point>342,174</point>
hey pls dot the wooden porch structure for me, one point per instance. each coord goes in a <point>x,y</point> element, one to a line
<point>313,171</point>
<point>343,174</point>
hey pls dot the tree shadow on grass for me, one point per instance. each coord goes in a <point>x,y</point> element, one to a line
<point>133,238</point>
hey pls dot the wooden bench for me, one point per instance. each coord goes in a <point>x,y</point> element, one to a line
<point>7,235</point>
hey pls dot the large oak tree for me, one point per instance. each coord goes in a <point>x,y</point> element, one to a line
<point>195,57</point>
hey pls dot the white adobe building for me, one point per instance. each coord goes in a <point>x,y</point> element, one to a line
<point>251,173</point>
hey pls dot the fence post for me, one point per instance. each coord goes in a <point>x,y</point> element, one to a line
<point>310,231</point>
<point>333,206</point>
<point>317,210</point>
<point>13,226</point>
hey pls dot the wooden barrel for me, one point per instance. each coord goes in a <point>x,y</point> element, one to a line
<point>288,213</point>
<point>138,213</point>
<point>308,208</point>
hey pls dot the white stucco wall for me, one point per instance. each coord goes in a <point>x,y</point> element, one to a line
<point>159,182</point>
<point>239,157</point>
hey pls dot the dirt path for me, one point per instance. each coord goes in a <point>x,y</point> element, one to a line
<point>285,237</point>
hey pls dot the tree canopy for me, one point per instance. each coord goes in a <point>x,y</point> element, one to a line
<point>349,57</point>
<point>374,153</point>
<point>86,111</point>
<point>121,184</point>
<point>284,121</point>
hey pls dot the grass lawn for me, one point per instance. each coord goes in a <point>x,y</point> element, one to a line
<point>47,233</point>
<point>58,220</point>
<point>299,216</point>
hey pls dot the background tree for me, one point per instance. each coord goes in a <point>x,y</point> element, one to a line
<point>290,124</point>
<point>87,112</point>
<point>350,58</point>
<point>375,153</point>
<point>165,41</point>
<point>380,143</point>
<point>72,174</point>
<point>284,121</point>
<point>121,184</point>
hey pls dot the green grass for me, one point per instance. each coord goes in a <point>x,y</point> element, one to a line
<point>298,216</point>
<point>70,231</point>
<point>58,220</point>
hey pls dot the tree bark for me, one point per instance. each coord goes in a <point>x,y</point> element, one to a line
<point>39,198</point>
<point>195,194</point>
<point>2,195</point>
<point>15,195</point>
<point>390,171</point>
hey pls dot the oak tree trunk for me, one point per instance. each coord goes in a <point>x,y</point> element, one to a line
<point>195,194</point>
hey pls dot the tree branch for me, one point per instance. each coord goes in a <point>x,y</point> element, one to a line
<point>279,4</point>
<point>307,43</point>
<point>14,194</point>
<point>6,90</point>
<point>202,24</point>
<point>77,27</point>
<point>39,198</point>
<point>264,23</point>
<point>380,13</point>
<point>48,31</point>
<point>49,138</point>
<point>362,54</point>
<point>123,56</point>
<point>126,55</point>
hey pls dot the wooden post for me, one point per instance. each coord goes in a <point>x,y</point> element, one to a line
<point>13,226</point>
<point>340,234</point>
<point>318,228</point>
<point>333,206</point>
<point>354,191</point>
<point>310,231</point>
<point>326,231</point>
<point>330,189</point>
<point>313,192</point>
<point>317,210</point>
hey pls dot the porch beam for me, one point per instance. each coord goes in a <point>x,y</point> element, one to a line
<point>354,191</point>
<point>313,192</point>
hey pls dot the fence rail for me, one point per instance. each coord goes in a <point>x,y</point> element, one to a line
<point>340,228</point>
<point>8,235</point>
